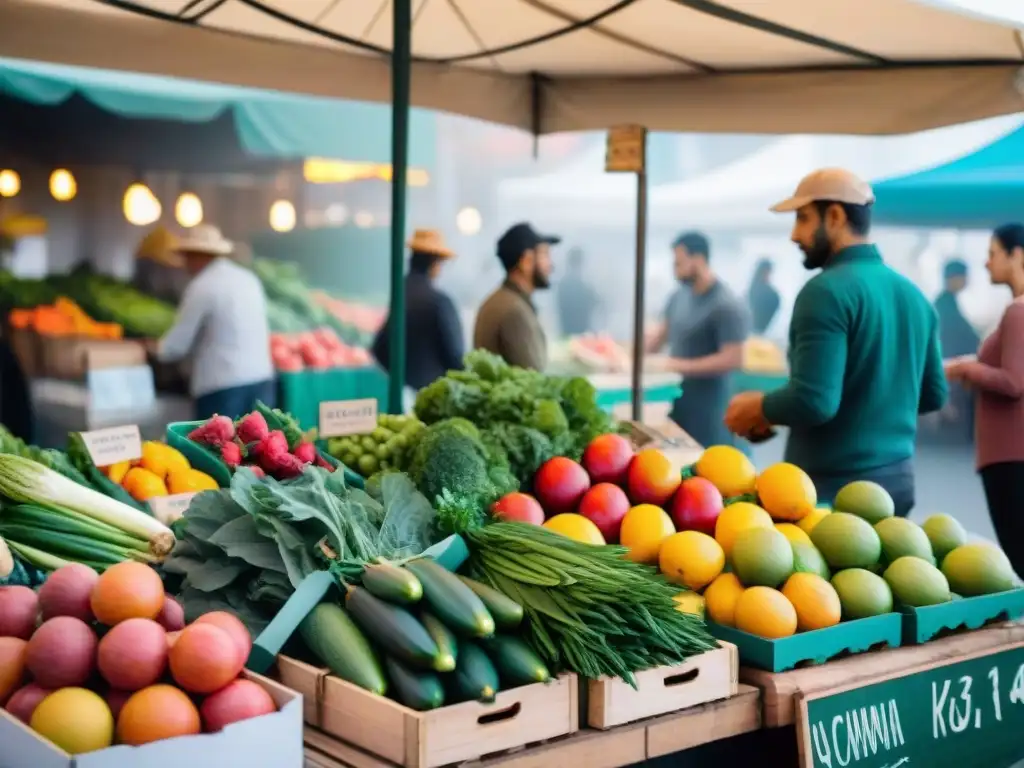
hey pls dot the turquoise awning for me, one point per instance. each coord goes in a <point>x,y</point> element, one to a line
<point>270,124</point>
<point>981,190</point>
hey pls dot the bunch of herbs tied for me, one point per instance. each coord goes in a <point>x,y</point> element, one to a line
<point>246,548</point>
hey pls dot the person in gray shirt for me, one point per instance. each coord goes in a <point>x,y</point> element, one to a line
<point>704,326</point>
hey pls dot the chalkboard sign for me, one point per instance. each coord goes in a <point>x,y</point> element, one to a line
<point>969,712</point>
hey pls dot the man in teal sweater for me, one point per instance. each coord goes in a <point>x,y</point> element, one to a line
<point>864,351</point>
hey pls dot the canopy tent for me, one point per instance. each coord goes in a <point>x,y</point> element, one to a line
<point>188,116</point>
<point>980,190</point>
<point>850,66</point>
<point>738,195</point>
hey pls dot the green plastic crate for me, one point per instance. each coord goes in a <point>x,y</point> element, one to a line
<point>923,624</point>
<point>814,647</point>
<point>205,460</point>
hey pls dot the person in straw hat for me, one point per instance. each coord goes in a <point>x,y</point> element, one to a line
<point>864,351</point>
<point>434,343</point>
<point>222,326</point>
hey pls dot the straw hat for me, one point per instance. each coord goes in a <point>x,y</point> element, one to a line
<point>205,238</point>
<point>159,246</point>
<point>430,241</point>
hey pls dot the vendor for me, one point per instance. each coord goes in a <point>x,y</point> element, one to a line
<point>705,326</point>
<point>507,322</point>
<point>864,351</point>
<point>434,343</point>
<point>222,326</point>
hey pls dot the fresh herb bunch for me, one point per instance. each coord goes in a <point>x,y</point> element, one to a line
<point>589,609</point>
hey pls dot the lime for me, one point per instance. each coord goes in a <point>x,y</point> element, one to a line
<point>367,464</point>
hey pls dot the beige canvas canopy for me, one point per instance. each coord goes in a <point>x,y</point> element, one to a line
<point>764,66</point>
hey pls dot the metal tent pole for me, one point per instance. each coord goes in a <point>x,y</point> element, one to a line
<point>639,291</point>
<point>401,60</point>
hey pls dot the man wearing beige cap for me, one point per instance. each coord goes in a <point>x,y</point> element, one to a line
<point>864,351</point>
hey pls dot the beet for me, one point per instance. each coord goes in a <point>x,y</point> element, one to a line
<point>62,653</point>
<point>236,701</point>
<point>133,654</point>
<point>19,608</point>
<point>23,702</point>
<point>67,592</point>
<point>172,615</point>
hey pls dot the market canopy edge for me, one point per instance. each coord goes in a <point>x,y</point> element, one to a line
<point>873,67</point>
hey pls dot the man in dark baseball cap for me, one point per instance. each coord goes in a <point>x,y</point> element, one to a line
<point>507,322</point>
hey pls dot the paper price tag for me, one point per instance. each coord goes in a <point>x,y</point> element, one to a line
<point>167,509</point>
<point>347,417</point>
<point>109,446</point>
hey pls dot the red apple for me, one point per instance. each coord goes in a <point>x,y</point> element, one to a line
<point>560,484</point>
<point>518,508</point>
<point>607,459</point>
<point>605,505</point>
<point>696,506</point>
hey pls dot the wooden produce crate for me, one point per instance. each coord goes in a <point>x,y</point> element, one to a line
<point>451,734</point>
<point>306,679</point>
<point>25,343</point>
<point>71,357</point>
<point>706,677</point>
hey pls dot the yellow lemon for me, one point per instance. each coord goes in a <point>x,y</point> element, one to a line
<point>728,469</point>
<point>575,527</point>
<point>792,532</point>
<point>74,719</point>
<point>813,517</point>
<point>644,528</point>
<point>765,612</point>
<point>691,559</point>
<point>815,600</point>
<point>720,599</point>
<point>689,602</point>
<point>738,517</point>
<point>786,492</point>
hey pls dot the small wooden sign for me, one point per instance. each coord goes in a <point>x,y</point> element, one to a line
<point>626,149</point>
<point>956,712</point>
<point>348,417</point>
<point>113,445</point>
<point>167,509</point>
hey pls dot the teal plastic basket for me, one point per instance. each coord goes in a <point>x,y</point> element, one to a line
<point>205,460</point>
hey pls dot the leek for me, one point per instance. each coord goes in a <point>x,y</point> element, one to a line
<point>61,521</point>
<point>27,482</point>
<point>6,560</point>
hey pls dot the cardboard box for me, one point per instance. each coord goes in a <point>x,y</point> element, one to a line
<point>70,357</point>
<point>271,741</point>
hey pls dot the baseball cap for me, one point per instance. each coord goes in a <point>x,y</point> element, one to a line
<point>519,238</point>
<point>833,184</point>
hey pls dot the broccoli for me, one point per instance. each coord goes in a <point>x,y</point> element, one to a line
<point>526,448</point>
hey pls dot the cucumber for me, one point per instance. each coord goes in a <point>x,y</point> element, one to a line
<point>417,690</point>
<point>516,662</point>
<point>475,676</point>
<point>446,643</point>
<point>452,601</point>
<point>506,612</point>
<point>391,583</point>
<point>393,629</point>
<point>335,639</point>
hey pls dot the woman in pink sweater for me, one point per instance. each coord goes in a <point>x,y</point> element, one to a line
<point>997,376</point>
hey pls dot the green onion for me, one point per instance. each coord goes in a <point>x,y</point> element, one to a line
<point>71,546</point>
<point>37,557</point>
<point>6,560</point>
<point>25,481</point>
<point>67,521</point>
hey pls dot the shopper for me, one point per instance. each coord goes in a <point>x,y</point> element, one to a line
<point>864,351</point>
<point>434,343</point>
<point>762,297</point>
<point>958,338</point>
<point>705,326</point>
<point>578,302</point>
<point>222,326</point>
<point>997,377</point>
<point>507,323</point>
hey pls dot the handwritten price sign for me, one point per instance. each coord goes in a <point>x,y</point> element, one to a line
<point>113,445</point>
<point>347,417</point>
<point>167,509</point>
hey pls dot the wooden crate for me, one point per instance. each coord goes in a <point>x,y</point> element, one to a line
<point>707,677</point>
<point>451,734</point>
<point>305,679</point>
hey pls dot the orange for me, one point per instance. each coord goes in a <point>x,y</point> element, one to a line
<point>815,600</point>
<point>786,492</point>
<point>691,559</point>
<point>155,713</point>
<point>739,517</point>
<point>720,599</point>
<point>765,612</point>
<point>127,590</point>
<point>644,528</point>
<point>652,478</point>
<point>575,527</point>
<point>204,658</point>
<point>728,469</point>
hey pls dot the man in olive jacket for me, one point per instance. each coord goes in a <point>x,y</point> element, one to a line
<point>507,322</point>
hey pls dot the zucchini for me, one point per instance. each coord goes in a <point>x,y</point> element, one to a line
<point>417,690</point>
<point>446,643</point>
<point>391,583</point>
<point>475,676</point>
<point>335,639</point>
<point>393,629</point>
<point>516,661</point>
<point>452,601</point>
<point>506,612</point>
